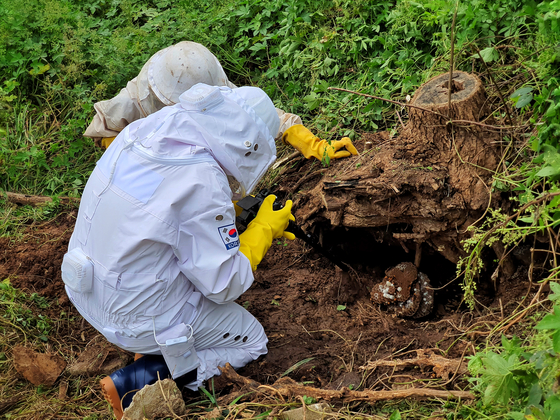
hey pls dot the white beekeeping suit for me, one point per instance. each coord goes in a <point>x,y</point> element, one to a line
<point>164,77</point>
<point>155,242</point>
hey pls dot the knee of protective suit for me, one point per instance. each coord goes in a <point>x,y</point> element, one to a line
<point>211,359</point>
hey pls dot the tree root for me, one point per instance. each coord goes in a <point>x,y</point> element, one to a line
<point>442,366</point>
<point>288,388</point>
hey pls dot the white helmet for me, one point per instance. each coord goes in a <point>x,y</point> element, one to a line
<point>174,70</point>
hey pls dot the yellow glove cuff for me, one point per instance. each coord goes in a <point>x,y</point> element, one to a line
<point>106,141</point>
<point>255,242</point>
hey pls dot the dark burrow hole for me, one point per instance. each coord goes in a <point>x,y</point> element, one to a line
<point>372,251</point>
<point>456,86</point>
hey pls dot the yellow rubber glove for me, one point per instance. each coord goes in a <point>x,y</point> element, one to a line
<point>311,145</point>
<point>266,226</point>
<point>106,141</point>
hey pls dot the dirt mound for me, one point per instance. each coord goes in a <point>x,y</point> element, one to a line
<point>33,264</point>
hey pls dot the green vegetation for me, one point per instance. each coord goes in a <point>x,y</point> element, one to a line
<point>19,310</point>
<point>58,57</point>
<point>521,378</point>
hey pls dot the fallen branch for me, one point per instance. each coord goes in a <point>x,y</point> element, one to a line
<point>288,388</point>
<point>36,200</point>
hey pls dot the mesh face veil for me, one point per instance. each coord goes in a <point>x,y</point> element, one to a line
<point>236,124</point>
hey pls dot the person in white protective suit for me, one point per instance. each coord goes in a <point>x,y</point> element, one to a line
<point>155,260</point>
<point>169,73</point>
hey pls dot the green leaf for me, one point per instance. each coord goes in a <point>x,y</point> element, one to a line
<point>309,400</point>
<point>551,321</point>
<point>523,100</point>
<point>521,92</point>
<point>552,403</point>
<point>555,291</point>
<point>556,342</point>
<point>535,395</point>
<point>341,307</point>
<point>548,171</point>
<point>396,415</point>
<point>499,376</point>
<point>489,54</point>
<point>522,96</point>
<point>516,415</point>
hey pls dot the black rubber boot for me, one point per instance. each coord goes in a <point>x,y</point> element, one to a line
<point>127,381</point>
<point>134,377</point>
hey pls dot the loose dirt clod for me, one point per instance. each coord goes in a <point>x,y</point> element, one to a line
<point>160,400</point>
<point>38,368</point>
<point>99,358</point>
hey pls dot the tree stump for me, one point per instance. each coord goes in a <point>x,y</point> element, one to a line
<point>420,189</point>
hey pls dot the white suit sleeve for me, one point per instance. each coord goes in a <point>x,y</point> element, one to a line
<point>113,115</point>
<point>208,244</point>
<point>287,120</point>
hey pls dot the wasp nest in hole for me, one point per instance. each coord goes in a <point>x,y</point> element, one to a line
<point>405,291</point>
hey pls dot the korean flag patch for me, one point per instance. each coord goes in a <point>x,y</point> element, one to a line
<point>229,235</point>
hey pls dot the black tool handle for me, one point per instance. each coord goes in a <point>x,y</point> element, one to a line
<point>251,205</point>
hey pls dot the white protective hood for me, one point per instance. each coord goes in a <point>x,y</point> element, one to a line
<point>234,125</point>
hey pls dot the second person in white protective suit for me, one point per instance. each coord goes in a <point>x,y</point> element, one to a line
<point>155,260</point>
<point>172,71</point>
